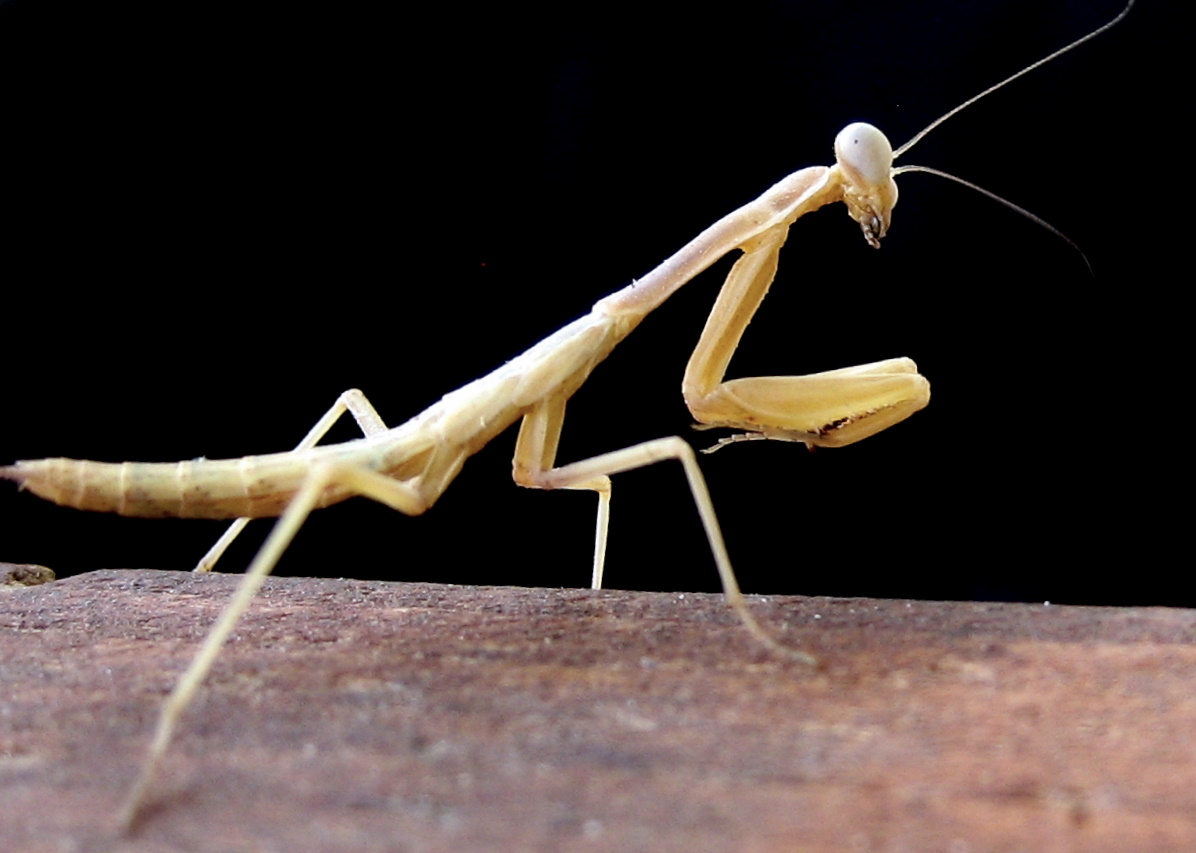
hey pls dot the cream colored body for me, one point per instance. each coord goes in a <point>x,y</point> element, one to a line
<point>830,409</point>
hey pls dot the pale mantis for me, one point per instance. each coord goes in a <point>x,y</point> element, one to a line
<point>913,399</point>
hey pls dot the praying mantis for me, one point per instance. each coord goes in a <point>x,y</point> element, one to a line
<point>660,186</point>
<point>782,261</point>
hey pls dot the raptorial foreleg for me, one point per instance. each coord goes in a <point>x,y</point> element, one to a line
<point>828,409</point>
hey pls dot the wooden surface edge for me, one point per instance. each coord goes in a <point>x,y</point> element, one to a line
<point>349,715</point>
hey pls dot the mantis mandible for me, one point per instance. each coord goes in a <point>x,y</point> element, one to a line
<point>408,467</point>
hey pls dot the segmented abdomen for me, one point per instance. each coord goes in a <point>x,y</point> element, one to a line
<point>254,487</point>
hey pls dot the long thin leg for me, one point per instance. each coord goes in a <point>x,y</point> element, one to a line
<point>534,467</point>
<point>352,401</point>
<point>394,493</point>
<point>579,474</point>
<point>535,452</point>
<point>834,408</point>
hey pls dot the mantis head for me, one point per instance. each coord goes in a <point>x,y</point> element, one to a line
<point>865,159</point>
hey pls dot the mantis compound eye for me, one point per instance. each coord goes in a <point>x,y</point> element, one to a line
<point>865,154</point>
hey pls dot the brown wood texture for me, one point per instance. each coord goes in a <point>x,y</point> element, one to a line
<point>355,716</point>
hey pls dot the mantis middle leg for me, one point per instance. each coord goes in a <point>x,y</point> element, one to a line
<point>535,467</point>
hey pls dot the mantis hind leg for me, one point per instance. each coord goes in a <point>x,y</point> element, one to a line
<point>352,401</point>
<point>400,495</point>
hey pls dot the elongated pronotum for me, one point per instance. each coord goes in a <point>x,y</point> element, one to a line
<point>409,466</point>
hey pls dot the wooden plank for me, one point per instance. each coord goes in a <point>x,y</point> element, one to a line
<point>353,715</point>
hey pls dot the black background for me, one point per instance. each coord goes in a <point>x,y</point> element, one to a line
<point>215,218</point>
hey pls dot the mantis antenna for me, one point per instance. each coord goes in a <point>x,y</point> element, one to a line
<point>917,137</point>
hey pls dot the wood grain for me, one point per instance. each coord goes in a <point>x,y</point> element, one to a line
<point>352,716</point>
